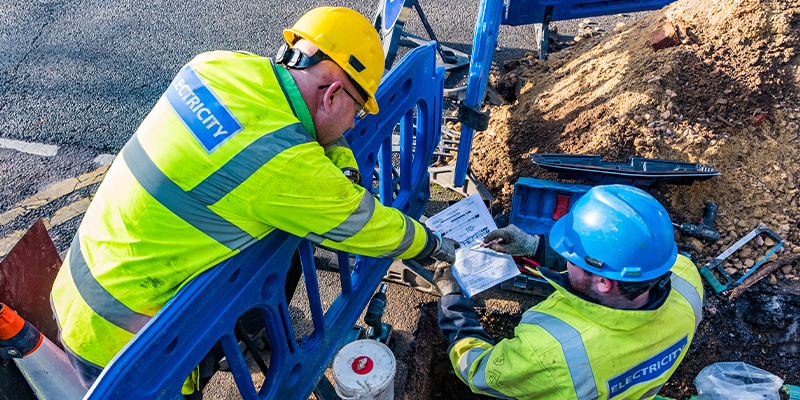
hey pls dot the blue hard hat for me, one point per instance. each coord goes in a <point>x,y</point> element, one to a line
<point>618,232</point>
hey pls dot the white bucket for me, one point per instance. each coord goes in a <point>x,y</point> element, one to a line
<point>364,369</point>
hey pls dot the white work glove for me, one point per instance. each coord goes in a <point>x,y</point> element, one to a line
<point>514,241</point>
<point>444,280</point>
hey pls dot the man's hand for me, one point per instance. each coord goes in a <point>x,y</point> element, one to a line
<point>445,249</point>
<point>444,280</point>
<point>514,241</point>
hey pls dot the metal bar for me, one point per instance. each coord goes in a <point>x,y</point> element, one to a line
<point>483,44</point>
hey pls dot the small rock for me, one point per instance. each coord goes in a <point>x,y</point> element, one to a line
<point>620,26</point>
<point>758,119</point>
<point>664,37</point>
<point>749,262</point>
<point>796,249</point>
<point>773,280</point>
<point>769,242</point>
<point>731,271</point>
<point>784,228</point>
<point>786,269</point>
<point>696,243</point>
<point>712,311</point>
<point>722,101</point>
<point>666,114</point>
<point>738,265</point>
<point>638,142</point>
<point>773,257</point>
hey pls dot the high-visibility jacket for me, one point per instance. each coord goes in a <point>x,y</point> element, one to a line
<point>227,155</point>
<point>570,348</point>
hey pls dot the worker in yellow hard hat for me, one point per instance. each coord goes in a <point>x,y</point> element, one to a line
<point>237,147</point>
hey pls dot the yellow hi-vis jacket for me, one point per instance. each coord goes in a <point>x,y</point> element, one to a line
<point>227,155</point>
<point>569,348</point>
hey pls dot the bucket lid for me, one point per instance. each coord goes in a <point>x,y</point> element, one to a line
<point>364,365</point>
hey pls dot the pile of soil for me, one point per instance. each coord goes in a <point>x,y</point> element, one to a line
<point>726,96</point>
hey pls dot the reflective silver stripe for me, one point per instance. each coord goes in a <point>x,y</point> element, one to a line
<point>650,393</point>
<point>689,292</point>
<point>244,164</point>
<point>466,360</point>
<point>479,379</point>
<point>180,203</point>
<point>405,243</point>
<point>98,298</point>
<point>574,351</point>
<point>355,222</point>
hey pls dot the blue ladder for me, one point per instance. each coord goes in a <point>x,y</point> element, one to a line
<point>156,362</point>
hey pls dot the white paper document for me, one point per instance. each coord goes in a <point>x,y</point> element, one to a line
<point>468,222</point>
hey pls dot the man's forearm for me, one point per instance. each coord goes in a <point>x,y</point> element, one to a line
<point>458,320</point>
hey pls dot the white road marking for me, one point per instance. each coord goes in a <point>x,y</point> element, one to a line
<point>104,159</point>
<point>38,149</point>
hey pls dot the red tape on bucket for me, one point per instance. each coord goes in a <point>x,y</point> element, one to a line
<point>362,365</point>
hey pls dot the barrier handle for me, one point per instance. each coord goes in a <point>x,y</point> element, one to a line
<point>339,393</point>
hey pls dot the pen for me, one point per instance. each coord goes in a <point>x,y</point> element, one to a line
<point>479,245</point>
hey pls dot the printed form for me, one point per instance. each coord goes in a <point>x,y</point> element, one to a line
<point>468,222</point>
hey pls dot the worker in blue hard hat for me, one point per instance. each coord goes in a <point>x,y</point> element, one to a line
<point>619,323</point>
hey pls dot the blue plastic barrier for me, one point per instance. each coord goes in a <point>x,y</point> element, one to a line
<point>158,359</point>
<point>524,12</point>
<point>493,13</point>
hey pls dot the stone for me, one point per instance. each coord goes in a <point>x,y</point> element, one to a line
<point>666,114</point>
<point>773,257</point>
<point>773,280</point>
<point>696,243</point>
<point>796,249</point>
<point>786,269</point>
<point>664,37</point>
<point>749,262</point>
<point>758,241</point>
<point>769,242</point>
<point>731,271</point>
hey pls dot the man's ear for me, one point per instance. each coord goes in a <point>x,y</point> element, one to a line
<point>328,97</point>
<point>603,284</point>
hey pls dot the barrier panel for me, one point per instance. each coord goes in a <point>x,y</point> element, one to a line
<point>524,12</point>
<point>158,359</point>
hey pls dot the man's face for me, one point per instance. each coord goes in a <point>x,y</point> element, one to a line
<point>344,107</point>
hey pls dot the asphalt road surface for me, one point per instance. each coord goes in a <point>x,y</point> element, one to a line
<point>77,77</point>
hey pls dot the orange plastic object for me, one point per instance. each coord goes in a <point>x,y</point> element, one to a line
<point>10,322</point>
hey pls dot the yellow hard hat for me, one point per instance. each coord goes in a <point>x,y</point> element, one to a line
<point>350,40</point>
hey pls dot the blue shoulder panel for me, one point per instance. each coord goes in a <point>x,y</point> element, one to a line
<point>209,120</point>
<point>648,370</point>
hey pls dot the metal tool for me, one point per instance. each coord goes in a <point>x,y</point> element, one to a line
<point>704,230</point>
<point>715,265</point>
<point>378,330</point>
